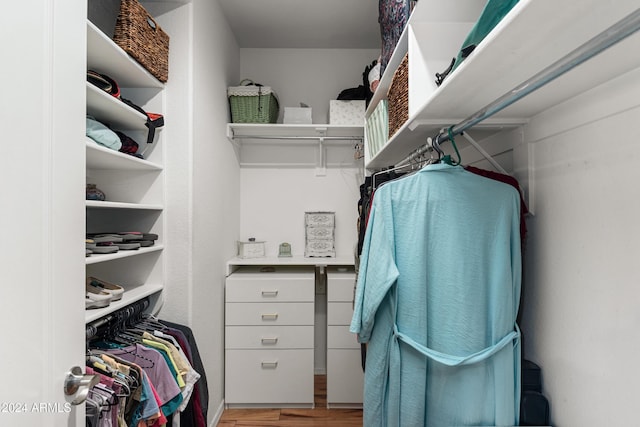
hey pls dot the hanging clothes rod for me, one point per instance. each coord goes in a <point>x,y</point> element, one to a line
<point>314,138</point>
<point>612,35</point>
<point>119,317</point>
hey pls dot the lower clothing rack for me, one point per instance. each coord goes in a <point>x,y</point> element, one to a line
<point>117,320</point>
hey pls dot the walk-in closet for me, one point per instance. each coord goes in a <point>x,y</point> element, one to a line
<point>254,267</point>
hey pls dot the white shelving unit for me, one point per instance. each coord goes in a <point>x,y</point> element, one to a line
<point>134,187</point>
<point>313,145</point>
<point>512,53</point>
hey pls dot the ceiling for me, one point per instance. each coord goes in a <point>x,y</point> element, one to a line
<point>328,24</point>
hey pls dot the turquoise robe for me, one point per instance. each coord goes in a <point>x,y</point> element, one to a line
<point>437,298</point>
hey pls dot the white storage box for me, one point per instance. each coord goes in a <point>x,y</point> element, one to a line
<point>297,115</point>
<point>251,249</point>
<point>346,113</point>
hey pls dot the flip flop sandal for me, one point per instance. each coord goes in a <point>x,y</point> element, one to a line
<point>127,246</point>
<point>114,290</point>
<point>104,249</point>
<point>145,243</point>
<point>149,236</point>
<point>130,235</point>
<point>106,238</point>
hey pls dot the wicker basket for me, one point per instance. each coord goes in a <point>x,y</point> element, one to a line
<point>398,97</point>
<point>252,103</point>
<point>141,37</point>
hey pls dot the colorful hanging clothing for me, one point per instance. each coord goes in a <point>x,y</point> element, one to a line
<point>436,301</point>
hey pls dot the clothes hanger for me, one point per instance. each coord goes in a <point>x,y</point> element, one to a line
<point>446,158</point>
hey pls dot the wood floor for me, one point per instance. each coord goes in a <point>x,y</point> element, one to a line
<point>318,417</point>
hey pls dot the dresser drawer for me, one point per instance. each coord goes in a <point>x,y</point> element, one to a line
<point>320,219</point>
<point>269,377</point>
<point>283,285</point>
<point>319,233</point>
<point>268,337</point>
<point>340,284</point>
<point>264,314</point>
<point>345,378</point>
<point>339,313</point>
<point>340,337</point>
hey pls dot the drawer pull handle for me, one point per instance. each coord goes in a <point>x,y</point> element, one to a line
<point>269,365</point>
<point>270,293</point>
<point>273,340</point>
<point>270,316</point>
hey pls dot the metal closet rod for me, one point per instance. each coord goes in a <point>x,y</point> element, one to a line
<point>612,35</point>
<point>324,138</point>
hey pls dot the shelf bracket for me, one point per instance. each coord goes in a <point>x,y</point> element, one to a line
<point>321,166</point>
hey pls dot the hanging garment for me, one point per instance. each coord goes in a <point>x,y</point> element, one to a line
<point>437,296</point>
<point>198,404</point>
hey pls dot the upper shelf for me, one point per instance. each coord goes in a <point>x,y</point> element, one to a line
<point>104,56</point>
<point>531,37</point>
<point>306,145</point>
<point>252,132</point>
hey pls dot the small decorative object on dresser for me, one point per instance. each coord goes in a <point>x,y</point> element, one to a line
<point>251,249</point>
<point>284,250</point>
<point>319,234</point>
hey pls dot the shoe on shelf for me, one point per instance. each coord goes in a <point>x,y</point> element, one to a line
<point>101,248</point>
<point>99,285</point>
<point>128,245</point>
<point>130,235</point>
<point>95,298</point>
<point>106,238</point>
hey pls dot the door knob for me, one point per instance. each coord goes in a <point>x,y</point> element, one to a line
<point>78,385</point>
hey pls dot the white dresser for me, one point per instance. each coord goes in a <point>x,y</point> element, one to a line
<point>345,378</point>
<point>269,337</point>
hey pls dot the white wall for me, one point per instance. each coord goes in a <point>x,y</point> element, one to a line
<point>215,177</point>
<point>202,178</point>
<point>273,203</point>
<point>581,309</point>
<point>312,76</point>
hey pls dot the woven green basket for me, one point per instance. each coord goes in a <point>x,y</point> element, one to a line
<point>252,103</point>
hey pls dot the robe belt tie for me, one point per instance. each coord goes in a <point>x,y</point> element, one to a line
<point>452,360</point>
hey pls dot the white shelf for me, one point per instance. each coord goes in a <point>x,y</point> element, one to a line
<point>289,261</point>
<point>106,57</point>
<point>113,112</point>
<point>99,157</point>
<point>130,296</point>
<point>531,37</point>
<point>307,145</point>
<point>97,258</point>
<point>120,205</point>
<point>256,132</point>
<point>136,183</point>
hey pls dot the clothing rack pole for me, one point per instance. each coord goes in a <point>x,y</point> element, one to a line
<point>612,35</point>
<point>314,138</point>
<point>122,315</point>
